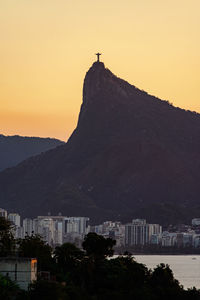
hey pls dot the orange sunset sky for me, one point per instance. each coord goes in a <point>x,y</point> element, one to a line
<point>48,45</point>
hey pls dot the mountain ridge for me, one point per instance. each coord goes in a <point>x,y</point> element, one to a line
<point>15,148</point>
<point>131,155</point>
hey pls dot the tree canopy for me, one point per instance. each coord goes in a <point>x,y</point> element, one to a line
<point>97,246</point>
<point>7,242</point>
<point>33,246</point>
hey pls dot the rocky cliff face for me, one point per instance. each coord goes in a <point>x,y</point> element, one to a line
<point>131,155</point>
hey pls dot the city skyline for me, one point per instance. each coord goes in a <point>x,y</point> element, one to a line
<point>59,229</point>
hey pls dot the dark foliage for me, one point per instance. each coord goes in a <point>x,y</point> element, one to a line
<point>163,284</point>
<point>7,243</point>
<point>97,247</point>
<point>47,290</point>
<point>8,289</point>
<point>68,258</point>
<point>33,246</point>
<point>92,275</point>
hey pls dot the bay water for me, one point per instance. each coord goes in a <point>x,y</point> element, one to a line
<point>186,268</point>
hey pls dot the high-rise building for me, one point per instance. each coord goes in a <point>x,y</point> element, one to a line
<point>14,218</point>
<point>3,213</point>
<point>58,235</point>
<point>196,240</point>
<point>196,222</point>
<point>45,228</point>
<point>57,229</point>
<point>78,225</point>
<point>139,232</point>
<point>28,226</point>
<point>136,234</point>
<point>169,239</point>
<point>139,222</point>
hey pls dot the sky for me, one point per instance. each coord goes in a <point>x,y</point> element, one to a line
<point>47,46</point>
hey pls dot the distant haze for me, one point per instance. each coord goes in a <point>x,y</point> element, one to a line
<point>15,149</point>
<point>46,46</point>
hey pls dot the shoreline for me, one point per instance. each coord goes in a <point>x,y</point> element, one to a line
<point>159,254</point>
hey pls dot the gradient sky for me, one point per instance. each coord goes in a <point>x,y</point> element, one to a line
<point>46,47</point>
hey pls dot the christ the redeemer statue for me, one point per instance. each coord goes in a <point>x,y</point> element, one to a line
<point>98,54</point>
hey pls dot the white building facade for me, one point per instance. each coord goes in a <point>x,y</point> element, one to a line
<point>140,233</point>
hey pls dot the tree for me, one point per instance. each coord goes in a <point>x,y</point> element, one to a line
<point>163,283</point>
<point>33,246</point>
<point>98,247</point>
<point>47,290</point>
<point>68,256</point>
<point>163,275</point>
<point>7,242</point>
<point>120,278</point>
<point>192,294</point>
<point>9,290</point>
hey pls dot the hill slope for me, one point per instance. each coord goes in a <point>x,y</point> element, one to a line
<point>131,155</point>
<point>14,149</point>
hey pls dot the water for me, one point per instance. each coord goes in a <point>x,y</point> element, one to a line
<point>186,268</point>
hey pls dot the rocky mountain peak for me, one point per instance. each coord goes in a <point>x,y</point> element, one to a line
<point>100,80</point>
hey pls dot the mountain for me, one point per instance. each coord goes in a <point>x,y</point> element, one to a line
<point>131,155</point>
<point>14,149</point>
